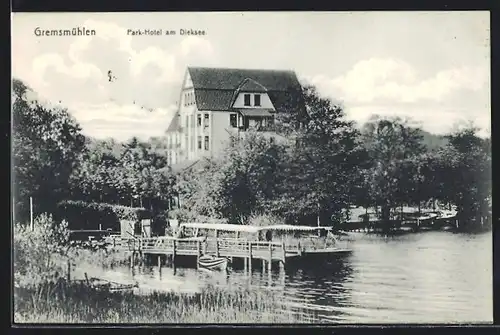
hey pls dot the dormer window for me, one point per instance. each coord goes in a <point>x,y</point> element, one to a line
<point>247,100</point>
<point>256,100</point>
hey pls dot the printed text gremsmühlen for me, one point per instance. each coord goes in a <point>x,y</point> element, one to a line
<point>77,31</point>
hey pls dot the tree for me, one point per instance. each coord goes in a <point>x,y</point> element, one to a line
<point>242,182</point>
<point>97,177</point>
<point>47,144</point>
<point>466,182</point>
<point>145,173</point>
<point>393,147</point>
<point>324,163</point>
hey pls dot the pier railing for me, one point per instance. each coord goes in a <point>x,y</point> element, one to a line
<point>226,247</point>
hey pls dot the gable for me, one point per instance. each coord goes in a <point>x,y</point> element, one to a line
<point>250,85</point>
<point>265,101</point>
<point>217,89</point>
<point>188,82</point>
<point>174,123</point>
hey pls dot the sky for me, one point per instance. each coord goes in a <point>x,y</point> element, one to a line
<point>432,67</point>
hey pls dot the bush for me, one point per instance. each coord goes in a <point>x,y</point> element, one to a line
<point>89,215</point>
<point>261,220</point>
<point>185,215</point>
<point>40,255</point>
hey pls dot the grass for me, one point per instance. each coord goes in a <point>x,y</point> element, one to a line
<point>105,258</point>
<point>42,295</point>
<point>77,303</point>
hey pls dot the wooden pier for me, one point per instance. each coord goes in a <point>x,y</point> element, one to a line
<point>169,248</point>
<point>245,251</point>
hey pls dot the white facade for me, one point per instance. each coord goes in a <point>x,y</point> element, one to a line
<point>198,133</point>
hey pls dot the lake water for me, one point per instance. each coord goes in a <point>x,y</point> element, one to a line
<point>428,277</point>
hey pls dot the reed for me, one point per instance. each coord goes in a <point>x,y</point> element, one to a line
<point>61,302</point>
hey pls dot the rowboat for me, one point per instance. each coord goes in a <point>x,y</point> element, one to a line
<point>212,262</point>
<point>108,285</point>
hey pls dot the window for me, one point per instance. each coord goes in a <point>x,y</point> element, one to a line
<point>199,142</point>
<point>192,121</point>
<point>247,99</point>
<point>206,143</point>
<point>206,120</point>
<point>233,120</point>
<point>199,121</point>
<point>256,100</point>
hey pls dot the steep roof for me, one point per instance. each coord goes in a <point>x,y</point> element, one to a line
<point>215,88</point>
<point>174,123</point>
<point>250,85</point>
<point>230,79</point>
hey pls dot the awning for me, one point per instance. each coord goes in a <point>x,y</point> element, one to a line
<point>293,228</point>
<point>256,112</point>
<point>221,227</point>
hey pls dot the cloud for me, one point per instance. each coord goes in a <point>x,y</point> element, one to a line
<point>378,79</point>
<point>391,87</point>
<point>148,77</point>
<point>122,122</point>
<point>434,119</point>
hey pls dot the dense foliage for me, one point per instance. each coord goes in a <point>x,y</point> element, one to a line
<point>315,166</point>
<point>39,254</point>
<point>85,215</point>
<point>46,145</point>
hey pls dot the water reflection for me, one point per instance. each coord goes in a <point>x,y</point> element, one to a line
<point>426,277</point>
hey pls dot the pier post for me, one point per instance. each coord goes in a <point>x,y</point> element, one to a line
<point>173,254</point>
<point>217,247</point>
<point>69,271</point>
<point>270,257</point>
<point>245,267</point>
<point>198,245</point>
<point>283,246</point>
<point>282,278</point>
<point>250,257</point>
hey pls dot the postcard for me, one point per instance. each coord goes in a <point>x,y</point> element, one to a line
<point>252,167</point>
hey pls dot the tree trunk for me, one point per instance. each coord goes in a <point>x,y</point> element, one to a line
<point>386,214</point>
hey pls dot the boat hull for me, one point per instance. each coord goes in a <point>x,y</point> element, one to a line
<point>213,263</point>
<point>324,255</point>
